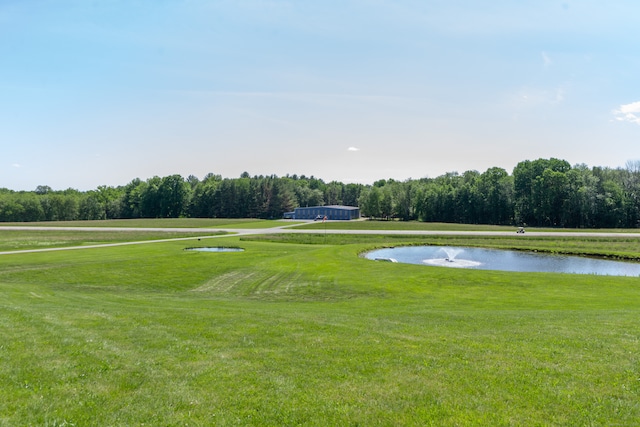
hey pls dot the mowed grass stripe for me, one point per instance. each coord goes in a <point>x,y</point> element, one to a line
<point>389,363</point>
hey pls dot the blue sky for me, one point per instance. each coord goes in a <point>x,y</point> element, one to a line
<point>101,92</point>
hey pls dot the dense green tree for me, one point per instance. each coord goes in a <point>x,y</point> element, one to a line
<point>31,208</point>
<point>403,195</point>
<point>495,192</point>
<point>630,181</point>
<point>533,204</point>
<point>20,207</point>
<point>306,196</point>
<point>370,200</point>
<point>202,203</point>
<point>351,194</point>
<point>174,193</point>
<point>150,198</point>
<point>542,192</point>
<point>386,203</point>
<point>333,193</point>
<point>90,208</point>
<point>43,189</point>
<point>61,207</point>
<point>131,199</point>
<point>10,209</point>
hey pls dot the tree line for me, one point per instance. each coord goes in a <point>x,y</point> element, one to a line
<point>174,196</point>
<point>543,192</point>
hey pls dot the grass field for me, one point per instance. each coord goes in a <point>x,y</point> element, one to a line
<point>39,239</point>
<point>160,223</point>
<point>402,225</point>
<point>438,226</point>
<point>615,247</point>
<point>300,330</point>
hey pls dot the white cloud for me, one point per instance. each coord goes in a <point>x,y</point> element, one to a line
<point>16,165</point>
<point>628,113</point>
<point>634,107</point>
<point>353,149</point>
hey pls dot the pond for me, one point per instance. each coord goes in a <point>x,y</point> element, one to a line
<point>497,259</point>
<point>218,249</point>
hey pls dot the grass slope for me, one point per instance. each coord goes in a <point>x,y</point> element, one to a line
<point>159,223</point>
<point>439,226</point>
<point>11,240</point>
<point>300,334</point>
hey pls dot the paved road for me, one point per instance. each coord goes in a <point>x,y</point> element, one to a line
<point>287,228</point>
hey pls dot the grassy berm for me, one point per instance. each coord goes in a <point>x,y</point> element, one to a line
<point>287,334</point>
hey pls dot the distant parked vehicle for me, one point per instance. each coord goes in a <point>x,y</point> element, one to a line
<point>520,230</point>
<point>320,218</point>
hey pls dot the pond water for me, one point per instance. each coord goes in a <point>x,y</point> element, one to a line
<point>215,249</point>
<point>497,259</point>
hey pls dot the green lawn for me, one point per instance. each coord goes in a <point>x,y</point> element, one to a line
<point>291,333</point>
<point>40,239</point>
<point>438,226</point>
<point>159,223</point>
<point>616,247</point>
<point>403,225</point>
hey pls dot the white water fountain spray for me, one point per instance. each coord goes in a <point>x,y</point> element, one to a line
<point>450,259</point>
<point>451,253</point>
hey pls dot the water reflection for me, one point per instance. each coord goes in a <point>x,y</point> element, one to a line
<point>496,259</point>
<point>218,249</point>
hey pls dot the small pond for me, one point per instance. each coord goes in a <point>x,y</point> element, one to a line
<point>497,259</point>
<point>218,249</point>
